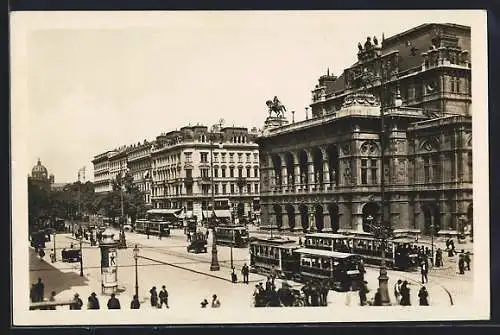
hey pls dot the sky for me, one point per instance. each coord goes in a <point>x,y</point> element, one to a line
<point>96,81</point>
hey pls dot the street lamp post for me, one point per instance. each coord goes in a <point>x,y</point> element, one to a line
<point>123,242</point>
<point>136,256</point>
<point>55,253</point>
<point>81,256</point>
<point>214,265</point>
<point>432,242</point>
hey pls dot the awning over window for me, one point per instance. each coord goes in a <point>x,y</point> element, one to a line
<point>220,213</point>
<point>164,214</point>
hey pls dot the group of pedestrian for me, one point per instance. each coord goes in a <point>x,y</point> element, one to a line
<point>158,299</point>
<point>402,294</point>
<point>215,302</point>
<point>93,302</point>
<point>268,296</point>
<point>37,291</point>
<point>316,293</point>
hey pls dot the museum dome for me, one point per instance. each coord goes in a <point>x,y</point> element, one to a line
<point>39,171</point>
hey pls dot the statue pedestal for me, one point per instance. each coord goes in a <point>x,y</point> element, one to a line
<point>275,121</point>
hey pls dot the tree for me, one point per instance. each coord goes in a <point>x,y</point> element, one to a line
<point>133,198</point>
<point>39,205</point>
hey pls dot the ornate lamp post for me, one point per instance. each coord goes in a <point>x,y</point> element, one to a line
<point>123,242</point>
<point>55,253</point>
<point>80,238</point>
<point>214,264</point>
<point>136,256</point>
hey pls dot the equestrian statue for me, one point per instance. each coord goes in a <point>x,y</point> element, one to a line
<point>276,106</point>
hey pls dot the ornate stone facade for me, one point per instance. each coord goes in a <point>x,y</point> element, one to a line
<point>325,173</point>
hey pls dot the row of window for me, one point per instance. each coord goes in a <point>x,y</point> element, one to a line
<point>206,190</point>
<point>204,157</point>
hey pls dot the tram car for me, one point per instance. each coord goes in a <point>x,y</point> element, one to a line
<point>152,227</point>
<point>277,253</point>
<point>236,236</point>
<point>158,220</point>
<point>290,261</point>
<point>398,253</point>
<point>340,270</point>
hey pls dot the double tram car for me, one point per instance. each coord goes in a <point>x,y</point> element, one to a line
<point>338,268</point>
<point>236,236</point>
<point>267,254</point>
<point>158,220</point>
<point>398,254</point>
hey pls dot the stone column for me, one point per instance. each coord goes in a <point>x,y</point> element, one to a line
<point>284,220</point>
<point>310,172</point>
<point>296,167</point>
<point>298,220</point>
<point>326,170</point>
<point>327,223</point>
<point>284,174</point>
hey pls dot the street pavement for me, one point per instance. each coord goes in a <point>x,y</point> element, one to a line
<point>188,278</point>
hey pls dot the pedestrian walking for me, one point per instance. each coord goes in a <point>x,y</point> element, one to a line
<point>234,278</point>
<point>244,272</point>
<point>361,269</point>
<point>77,303</point>
<point>215,301</point>
<point>423,296</point>
<point>424,270</point>
<point>439,257</point>
<point>39,290</point>
<point>363,290</point>
<point>397,290</point>
<point>405,294</point>
<point>93,302</point>
<point>163,297</point>
<point>461,264</point>
<point>135,304</point>
<point>467,260</point>
<point>154,297</point>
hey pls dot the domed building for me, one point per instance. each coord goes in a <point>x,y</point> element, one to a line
<point>40,175</point>
<point>39,172</point>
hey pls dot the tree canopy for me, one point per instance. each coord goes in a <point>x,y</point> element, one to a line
<point>79,198</point>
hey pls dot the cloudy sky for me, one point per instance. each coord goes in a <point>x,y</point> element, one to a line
<point>95,81</point>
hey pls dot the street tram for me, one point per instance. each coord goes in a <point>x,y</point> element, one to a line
<point>157,220</point>
<point>398,253</point>
<point>277,253</point>
<point>338,268</point>
<point>236,236</point>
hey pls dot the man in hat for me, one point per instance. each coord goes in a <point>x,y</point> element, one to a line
<point>93,301</point>
<point>77,303</point>
<point>163,297</point>
<point>244,272</point>
<point>135,304</point>
<point>113,302</point>
<point>363,290</point>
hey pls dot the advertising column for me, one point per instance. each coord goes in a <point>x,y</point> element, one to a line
<point>109,275</point>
